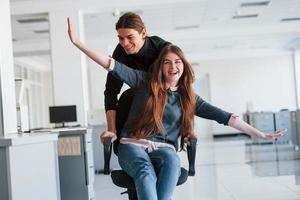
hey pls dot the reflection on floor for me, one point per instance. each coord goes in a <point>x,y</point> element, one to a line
<point>232,170</point>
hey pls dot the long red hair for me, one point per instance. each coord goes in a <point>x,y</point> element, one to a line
<point>150,121</point>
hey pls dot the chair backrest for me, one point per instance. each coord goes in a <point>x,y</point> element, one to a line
<point>124,105</point>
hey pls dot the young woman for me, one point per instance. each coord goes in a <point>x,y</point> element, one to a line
<point>136,50</point>
<point>163,110</point>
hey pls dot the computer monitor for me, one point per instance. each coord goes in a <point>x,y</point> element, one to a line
<point>62,114</point>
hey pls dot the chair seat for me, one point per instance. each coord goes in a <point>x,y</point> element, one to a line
<point>122,179</point>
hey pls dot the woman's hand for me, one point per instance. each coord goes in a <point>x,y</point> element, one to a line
<point>108,134</point>
<point>242,126</point>
<point>74,39</point>
<point>275,135</point>
<point>98,57</point>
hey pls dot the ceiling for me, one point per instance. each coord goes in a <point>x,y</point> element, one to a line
<point>30,27</point>
<point>211,26</point>
<point>206,27</point>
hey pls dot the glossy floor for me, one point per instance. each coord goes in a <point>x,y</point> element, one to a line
<point>232,169</point>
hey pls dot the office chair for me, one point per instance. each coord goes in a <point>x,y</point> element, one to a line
<point>119,177</point>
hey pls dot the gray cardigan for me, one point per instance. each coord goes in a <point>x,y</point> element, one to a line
<point>172,111</point>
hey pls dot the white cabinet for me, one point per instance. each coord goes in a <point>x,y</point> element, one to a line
<point>29,167</point>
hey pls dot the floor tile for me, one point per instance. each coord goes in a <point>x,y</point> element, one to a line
<point>231,169</point>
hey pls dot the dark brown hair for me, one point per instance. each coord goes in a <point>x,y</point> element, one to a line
<point>150,121</point>
<point>130,20</point>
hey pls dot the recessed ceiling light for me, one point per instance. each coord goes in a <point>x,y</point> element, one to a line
<point>290,19</point>
<point>252,4</point>
<point>195,64</point>
<point>245,16</point>
<point>41,31</point>
<point>186,27</point>
<point>32,20</point>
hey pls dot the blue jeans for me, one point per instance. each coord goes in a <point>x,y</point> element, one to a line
<point>155,174</point>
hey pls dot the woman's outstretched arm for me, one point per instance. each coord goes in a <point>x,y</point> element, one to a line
<point>98,57</point>
<point>134,78</point>
<point>239,124</point>
<point>208,111</point>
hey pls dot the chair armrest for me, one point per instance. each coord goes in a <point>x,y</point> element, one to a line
<point>107,146</point>
<point>191,154</point>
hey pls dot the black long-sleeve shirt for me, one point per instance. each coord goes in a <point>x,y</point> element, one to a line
<point>141,61</point>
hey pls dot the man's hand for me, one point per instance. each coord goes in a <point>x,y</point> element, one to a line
<point>187,139</point>
<point>108,134</point>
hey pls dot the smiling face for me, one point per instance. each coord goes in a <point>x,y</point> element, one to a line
<point>131,40</point>
<point>172,69</point>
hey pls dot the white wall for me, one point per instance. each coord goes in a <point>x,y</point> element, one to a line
<point>48,97</point>
<point>203,127</point>
<point>266,82</point>
<point>97,79</point>
<point>297,75</point>
<point>69,70</point>
<point>7,71</point>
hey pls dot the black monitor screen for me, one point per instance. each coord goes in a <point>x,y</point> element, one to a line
<point>59,114</point>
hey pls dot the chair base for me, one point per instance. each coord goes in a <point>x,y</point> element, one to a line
<point>131,194</point>
<point>103,171</point>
